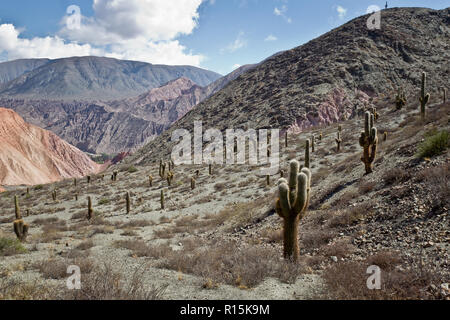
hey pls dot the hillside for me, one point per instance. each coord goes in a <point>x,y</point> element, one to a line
<point>13,69</point>
<point>329,78</point>
<point>30,155</point>
<point>96,78</point>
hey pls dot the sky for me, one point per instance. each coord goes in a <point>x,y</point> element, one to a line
<point>219,35</point>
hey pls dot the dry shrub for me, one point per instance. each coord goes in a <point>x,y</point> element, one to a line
<point>347,217</point>
<point>106,283</point>
<point>316,238</point>
<point>341,249</point>
<point>396,176</point>
<point>272,236</point>
<point>85,245</point>
<point>141,249</point>
<point>57,268</point>
<point>438,180</point>
<point>228,264</point>
<point>14,289</point>
<point>366,186</point>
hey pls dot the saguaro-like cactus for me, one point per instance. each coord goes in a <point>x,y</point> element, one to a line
<point>75,182</point>
<point>320,136</point>
<point>197,173</point>
<point>444,95</point>
<point>115,176</point>
<point>286,139</point>
<point>88,179</point>
<point>150,181</point>
<point>313,143</point>
<point>338,141</point>
<point>210,169</point>
<point>369,141</point>
<point>291,205</point>
<point>170,177</point>
<point>424,97</point>
<point>385,135</point>
<point>192,183</point>
<point>20,227</point>
<point>90,212</point>
<point>400,99</point>
<point>128,201</point>
<point>268,180</point>
<point>162,199</point>
<point>307,159</point>
<point>54,195</point>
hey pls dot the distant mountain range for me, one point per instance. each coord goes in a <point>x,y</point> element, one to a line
<point>30,155</point>
<point>119,125</point>
<point>90,78</point>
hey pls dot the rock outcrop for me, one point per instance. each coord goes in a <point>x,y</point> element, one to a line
<point>30,155</point>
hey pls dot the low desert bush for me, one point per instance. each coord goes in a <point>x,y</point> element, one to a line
<point>435,144</point>
<point>9,247</point>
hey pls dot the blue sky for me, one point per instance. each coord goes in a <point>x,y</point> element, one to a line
<point>215,34</point>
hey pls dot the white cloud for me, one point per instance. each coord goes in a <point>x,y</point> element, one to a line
<point>271,37</point>
<point>341,12</point>
<point>144,30</point>
<point>281,12</point>
<point>239,43</point>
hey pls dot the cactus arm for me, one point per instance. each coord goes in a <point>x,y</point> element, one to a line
<point>293,180</point>
<point>284,201</point>
<point>302,194</point>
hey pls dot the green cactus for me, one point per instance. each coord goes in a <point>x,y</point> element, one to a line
<point>162,199</point>
<point>291,205</point>
<point>369,142</point>
<point>340,128</point>
<point>400,99</point>
<point>268,180</point>
<point>286,139</point>
<point>338,141</point>
<point>307,159</point>
<point>385,134</point>
<point>197,173</point>
<point>170,177</point>
<point>210,169</point>
<point>150,181</point>
<point>20,228</point>
<point>28,191</point>
<point>90,212</point>
<point>75,182</point>
<point>115,173</point>
<point>128,202</point>
<point>88,179</point>
<point>76,196</point>
<point>192,183</point>
<point>320,136</point>
<point>313,144</point>
<point>424,97</point>
<point>54,195</point>
<point>444,95</point>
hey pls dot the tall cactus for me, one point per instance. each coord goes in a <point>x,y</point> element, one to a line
<point>307,159</point>
<point>444,95</point>
<point>150,181</point>
<point>75,182</point>
<point>192,183</point>
<point>286,139</point>
<point>162,199</point>
<point>338,141</point>
<point>115,173</point>
<point>90,212</point>
<point>400,99</point>
<point>20,227</point>
<point>369,141</point>
<point>128,201</point>
<point>210,169</point>
<point>88,179</point>
<point>313,144</point>
<point>424,97</point>
<point>291,205</point>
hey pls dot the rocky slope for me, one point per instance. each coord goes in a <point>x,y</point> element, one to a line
<point>330,78</point>
<point>94,78</point>
<point>120,125</point>
<point>30,155</point>
<point>13,69</point>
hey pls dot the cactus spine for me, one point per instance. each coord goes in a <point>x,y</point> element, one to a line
<point>424,97</point>
<point>162,199</point>
<point>20,227</point>
<point>369,141</point>
<point>128,201</point>
<point>307,159</point>
<point>338,141</point>
<point>291,205</point>
<point>90,210</point>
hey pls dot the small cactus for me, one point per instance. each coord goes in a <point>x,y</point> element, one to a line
<point>281,173</point>
<point>210,169</point>
<point>75,182</point>
<point>400,99</point>
<point>291,205</point>
<point>286,139</point>
<point>444,95</point>
<point>54,195</point>
<point>338,141</point>
<point>128,202</point>
<point>385,134</point>
<point>192,183</point>
<point>88,179</point>
<point>170,177</point>
<point>197,173</point>
<point>268,180</point>
<point>115,173</point>
<point>307,159</point>
<point>424,97</point>
<point>150,181</point>
<point>20,228</point>
<point>320,136</point>
<point>369,141</point>
<point>76,196</point>
<point>28,191</point>
<point>162,199</point>
<point>90,212</point>
<point>313,144</point>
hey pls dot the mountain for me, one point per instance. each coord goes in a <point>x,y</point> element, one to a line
<point>328,79</point>
<point>120,125</point>
<point>13,69</point>
<point>30,155</point>
<point>92,78</point>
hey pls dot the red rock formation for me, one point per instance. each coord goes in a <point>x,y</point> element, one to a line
<point>30,155</point>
